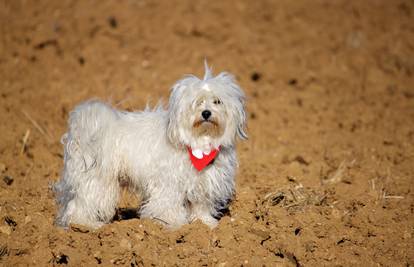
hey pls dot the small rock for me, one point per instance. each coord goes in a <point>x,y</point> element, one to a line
<point>113,22</point>
<point>125,244</point>
<point>8,179</point>
<point>255,76</point>
<point>27,219</point>
<point>301,160</point>
<point>145,64</point>
<point>139,236</point>
<point>3,167</point>
<point>79,228</point>
<point>310,246</point>
<point>5,230</point>
<point>260,233</point>
<point>62,259</point>
<point>98,257</point>
<point>336,214</point>
<point>293,81</point>
<point>81,61</point>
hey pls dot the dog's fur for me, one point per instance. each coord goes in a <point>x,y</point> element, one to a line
<point>103,146</point>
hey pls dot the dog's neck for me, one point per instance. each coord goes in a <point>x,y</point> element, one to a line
<point>204,144</point>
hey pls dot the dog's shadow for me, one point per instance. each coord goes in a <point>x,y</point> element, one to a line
<point>123,214</point>
<point>222,213</point>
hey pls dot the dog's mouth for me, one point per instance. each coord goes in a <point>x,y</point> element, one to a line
<point>201,122</point>
<point>207,127</point>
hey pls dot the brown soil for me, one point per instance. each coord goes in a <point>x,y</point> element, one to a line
<point>326,177</point>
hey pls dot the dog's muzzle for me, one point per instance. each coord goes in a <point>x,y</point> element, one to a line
<point>206,114</point>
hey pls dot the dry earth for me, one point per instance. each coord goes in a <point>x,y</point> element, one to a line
<point>326,177</point>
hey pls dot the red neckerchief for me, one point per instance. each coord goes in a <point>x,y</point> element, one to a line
<point>200,164</point>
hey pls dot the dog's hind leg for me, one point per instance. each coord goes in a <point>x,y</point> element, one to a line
<point>86,197</point>
<point>88,191</point>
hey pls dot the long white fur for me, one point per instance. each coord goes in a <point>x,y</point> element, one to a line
<point>149,148</point>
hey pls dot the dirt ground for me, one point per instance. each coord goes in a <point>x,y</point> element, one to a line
<point>326,177</point>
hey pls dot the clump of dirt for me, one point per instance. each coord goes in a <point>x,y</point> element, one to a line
<point>293,199</point>
<point>324,179</point>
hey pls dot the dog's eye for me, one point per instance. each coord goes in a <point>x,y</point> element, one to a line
<point>217,102</point>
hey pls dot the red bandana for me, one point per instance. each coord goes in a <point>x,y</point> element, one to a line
<point>201,163</point>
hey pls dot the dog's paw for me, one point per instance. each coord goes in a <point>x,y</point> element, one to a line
<point>209,220</point>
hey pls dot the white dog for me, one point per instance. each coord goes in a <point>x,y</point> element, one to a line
<point>181,161</point>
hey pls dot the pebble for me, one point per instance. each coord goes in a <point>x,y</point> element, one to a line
<point>145,64</point>
<point>125,244</point>
<point>27,219</point>
<point>407,235</point>
<point>255,76</point>
<point>5,229</point>
<point>2,167</point>
<point>8,179</point>
<point>79,228</point>
<point>97,254</point>
<point>139,237</point>
<point>261,233</point>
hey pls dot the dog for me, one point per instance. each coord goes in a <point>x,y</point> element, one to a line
<point>181,160</point>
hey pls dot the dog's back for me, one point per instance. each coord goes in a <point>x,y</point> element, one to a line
<point>88,119</point>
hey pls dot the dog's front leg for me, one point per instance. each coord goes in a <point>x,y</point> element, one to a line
<point>203,211</point>
<point>167,208</point>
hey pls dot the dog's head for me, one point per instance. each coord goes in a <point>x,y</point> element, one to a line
<point>208,111</point>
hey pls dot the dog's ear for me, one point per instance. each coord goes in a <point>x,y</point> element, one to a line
<point>241,132</point>
<point>172,132</point>
<point>232,89</point>
<point>172,127</point>
<point>242,124</point>
<point>174,104</point>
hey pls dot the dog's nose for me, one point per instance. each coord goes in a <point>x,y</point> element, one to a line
<point>206,114</point>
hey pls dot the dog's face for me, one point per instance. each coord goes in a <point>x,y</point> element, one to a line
<point>206,112</point>
<point>207,115</point>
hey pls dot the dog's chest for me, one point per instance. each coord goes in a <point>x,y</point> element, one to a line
<point>199,185</point>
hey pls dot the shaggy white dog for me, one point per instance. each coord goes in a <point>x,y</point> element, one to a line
<point>181,161</point>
